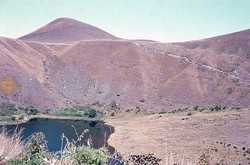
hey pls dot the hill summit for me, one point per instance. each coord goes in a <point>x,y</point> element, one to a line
<point>68,62</point>
<point>64,30</point>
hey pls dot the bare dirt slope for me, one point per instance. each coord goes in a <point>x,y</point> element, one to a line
<point>177,138</point>
<point>22,75</point>
<point>73,62</point>
<point>67,30</point>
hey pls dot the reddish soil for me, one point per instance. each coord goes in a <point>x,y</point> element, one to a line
<point>68,61</point>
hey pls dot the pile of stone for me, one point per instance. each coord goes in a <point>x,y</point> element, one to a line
<point>148,159</point>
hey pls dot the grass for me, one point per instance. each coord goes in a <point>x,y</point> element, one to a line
<point>35,151</point>
<point>73,153</point>
<point>10,146</point>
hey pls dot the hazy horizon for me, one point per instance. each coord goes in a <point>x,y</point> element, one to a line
<point>160,20</point>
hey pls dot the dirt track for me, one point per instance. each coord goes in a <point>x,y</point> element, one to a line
<point>178,135</point>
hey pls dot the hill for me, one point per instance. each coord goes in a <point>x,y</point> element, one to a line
<point>58,72</point>
<point>67,30</point>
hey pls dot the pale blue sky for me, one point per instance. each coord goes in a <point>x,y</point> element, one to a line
<point>161,20</point>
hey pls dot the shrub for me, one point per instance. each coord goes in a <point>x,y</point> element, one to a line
<point>128,110</point>
<point>196,108</point>
<point>97,103</point>
<point>114,106</point>
<point>21,117</point>
<point>162,112</point>
<point>81,154</point>
<point>13,118</point>
<point>8,109</point>
<point>35,151</point>
<point>47,111</point>
<point>5,118</point>
<point>32,111</point>
<point>78,112</point>
<point>92,113</point>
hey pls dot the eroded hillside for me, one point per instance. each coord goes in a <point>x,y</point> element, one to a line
<point>145,74</point>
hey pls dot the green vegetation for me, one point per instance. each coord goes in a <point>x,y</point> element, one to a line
<point>9,112</point>
<point>215,108</point>
<point>98,104</point>
<point>7,118</point>
<point>35,152</point>
<point>8,109</point>
<point>114,106</point>
<point>80,111</point>
<point>31,111</point>
<point>81,154</point>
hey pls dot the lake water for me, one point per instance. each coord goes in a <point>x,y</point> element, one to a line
<point>53,129</point>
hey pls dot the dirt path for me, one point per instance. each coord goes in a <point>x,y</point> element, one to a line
<point>178,135</point>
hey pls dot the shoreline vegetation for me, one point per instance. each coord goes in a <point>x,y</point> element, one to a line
<point>115,117</point>
<point>34,150</point>
<point>10,114</point>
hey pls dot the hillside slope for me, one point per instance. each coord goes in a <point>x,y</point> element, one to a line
<point>142,74</point>
<point>67,30</point>
<point>22,75</point>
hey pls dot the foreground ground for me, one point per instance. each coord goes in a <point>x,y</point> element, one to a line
<point>217,137</point>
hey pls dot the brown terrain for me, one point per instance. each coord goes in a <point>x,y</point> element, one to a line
<point>67,30</point>
<point>68,61</point>
<point>224,137</point>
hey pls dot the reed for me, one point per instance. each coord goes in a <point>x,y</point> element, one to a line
<point>10,144</point>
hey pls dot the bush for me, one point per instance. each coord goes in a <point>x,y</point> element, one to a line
<point>78,112</point>
<point>35,151</point>
<point>162,112</point>
<point>21,117</point>
<point>5,118</point>
<point>13,118</point>
<point>8,109</point>
<point>196,108</point>
<point>114,106</point>
<point>47,111</point>
<point>81,154</point>
<point>92,113</point>
<point>32,111</point>
<point>217,108</point>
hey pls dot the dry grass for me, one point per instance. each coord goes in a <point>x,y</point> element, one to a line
<point>175,140</point>
<point>179,158</point>
<point>8,84</point>
<point>10,146</point>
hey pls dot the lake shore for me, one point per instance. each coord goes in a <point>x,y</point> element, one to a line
<point>182,136</point>
<point>47,116</point>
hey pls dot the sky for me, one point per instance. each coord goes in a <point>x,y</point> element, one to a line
<point>160,20</point>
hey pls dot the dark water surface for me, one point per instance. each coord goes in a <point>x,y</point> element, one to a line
<point>53,129</point>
